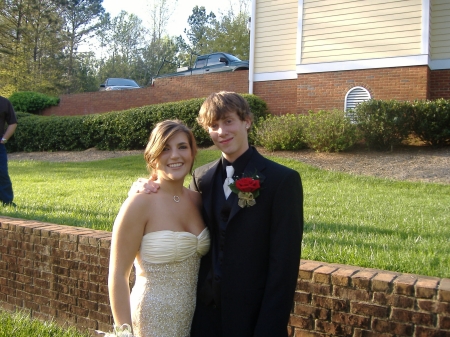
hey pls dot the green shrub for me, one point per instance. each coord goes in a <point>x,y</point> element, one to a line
<point>118,130</point>
<point>383,124</point>
<point>260,112</point>
<point>329,131</point>
<point>431,121</point>
<point>32,102</point>
<point>38,133</point>
<point>280,132</point>
<point>257,106</point>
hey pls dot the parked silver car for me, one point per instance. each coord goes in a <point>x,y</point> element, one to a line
<point>118,84</point>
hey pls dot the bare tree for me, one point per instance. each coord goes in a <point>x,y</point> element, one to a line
<point>239,6</point>
<point>160,13</point>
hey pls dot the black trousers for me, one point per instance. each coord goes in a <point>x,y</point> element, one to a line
<point>207,321</point>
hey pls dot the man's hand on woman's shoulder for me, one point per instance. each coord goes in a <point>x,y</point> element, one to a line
<point>143,185</point>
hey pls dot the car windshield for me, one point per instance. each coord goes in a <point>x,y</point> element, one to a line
<point>123,82</point>
<point>232,58</point>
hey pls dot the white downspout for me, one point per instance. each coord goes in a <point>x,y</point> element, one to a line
<point>426,12</point>
<point>251,66</point>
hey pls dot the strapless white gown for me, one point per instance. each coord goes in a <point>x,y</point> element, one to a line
<point>163,297</point>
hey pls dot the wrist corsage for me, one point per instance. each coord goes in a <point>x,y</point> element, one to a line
<point>118,331</point>
<point>247,189</point>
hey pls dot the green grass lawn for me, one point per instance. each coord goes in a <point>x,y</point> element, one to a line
<point>20,325</point>
<point>354,220</point>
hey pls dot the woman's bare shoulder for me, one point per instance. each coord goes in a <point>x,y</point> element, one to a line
<point>195,196</point>
<point>140,201</point>
<point>133,215</point>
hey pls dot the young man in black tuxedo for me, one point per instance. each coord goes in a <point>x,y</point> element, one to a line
<point>247,281</point>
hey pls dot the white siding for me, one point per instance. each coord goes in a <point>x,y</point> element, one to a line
<point>346,30</point>
<point>276,35</point>
<point>440,29</point>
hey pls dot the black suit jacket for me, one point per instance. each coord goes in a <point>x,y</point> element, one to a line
<point>261,252</point>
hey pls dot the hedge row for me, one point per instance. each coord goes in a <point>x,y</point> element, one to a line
<point>120,130</point>
<point>384,124</point>
<point>323,131</point>
<point>380,125</point>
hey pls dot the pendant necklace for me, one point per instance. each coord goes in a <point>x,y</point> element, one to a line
<point>176,198</point>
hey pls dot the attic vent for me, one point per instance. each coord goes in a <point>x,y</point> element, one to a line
<point>353,97</point>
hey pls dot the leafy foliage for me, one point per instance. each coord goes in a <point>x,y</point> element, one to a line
<point>231,35</point>
<point>329,131</point>
<point>383,124</point>
<point>322,131</point>
<point>431,121</point>
<point>124,49</point>
<point>119,130</point>
<point>31,40</point>
<point>199,22</point>
<point>81,17</point>
<point>209,33</point>
<point>281,132</point>
<point>380,124</point>
<point>31,102</point>
<point>39,42</point>
<point>42,43</point>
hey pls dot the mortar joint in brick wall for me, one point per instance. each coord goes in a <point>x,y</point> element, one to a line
<point>392,284</point>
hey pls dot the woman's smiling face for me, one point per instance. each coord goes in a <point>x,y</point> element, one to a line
<point>175,161</point>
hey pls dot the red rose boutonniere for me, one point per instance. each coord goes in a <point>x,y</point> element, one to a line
<point>247,189</point>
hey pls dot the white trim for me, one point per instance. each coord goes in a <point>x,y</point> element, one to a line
<point>440,64</point>
<point>298,55</point>
<point>389,62</point>
<point>275,76</point>
<point>426,26</point>
<point>251,69</point>
<point>352,89</point>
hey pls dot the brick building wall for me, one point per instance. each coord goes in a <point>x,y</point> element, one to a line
<point>280,96</point>
<point>164,90</point>
<point>440,84</point>
<point>60,273</point>
<point>326,91</point>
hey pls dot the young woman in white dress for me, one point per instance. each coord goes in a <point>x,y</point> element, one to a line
<point>164,235</point>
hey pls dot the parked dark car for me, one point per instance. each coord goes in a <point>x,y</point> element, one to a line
<point>211,63</point>
<point>118,84</point>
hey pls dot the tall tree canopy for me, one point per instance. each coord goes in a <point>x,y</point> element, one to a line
<point>208,33</point>
<point>31,43</point>
<point>123,42</point>
<point>200,25</point>
<point>41,40</point>
<point>81,19</point>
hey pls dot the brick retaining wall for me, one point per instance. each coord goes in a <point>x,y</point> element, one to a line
<point>313,91</point>
<point>60,272</point>
<point>170,89</point>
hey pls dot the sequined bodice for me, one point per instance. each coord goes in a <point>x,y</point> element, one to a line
<point>163,297</point>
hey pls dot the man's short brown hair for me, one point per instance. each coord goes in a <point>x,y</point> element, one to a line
<point>218,104</point>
